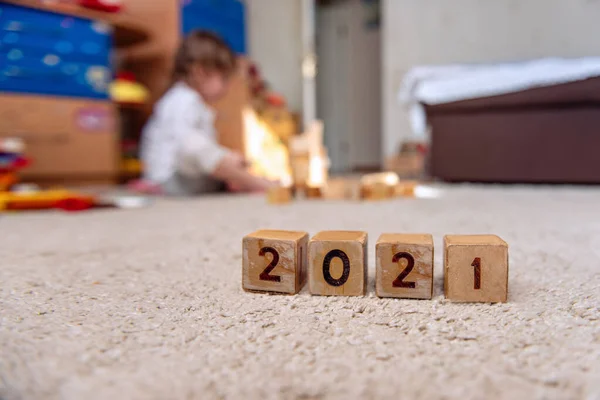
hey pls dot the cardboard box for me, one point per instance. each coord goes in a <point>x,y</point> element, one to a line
<point>64,137</point>
<point>230,109</point>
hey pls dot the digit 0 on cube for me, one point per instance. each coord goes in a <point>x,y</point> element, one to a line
<point>475,268</point>
<point>274,261</point>
<point>337,263</point>
<point>404,266</point>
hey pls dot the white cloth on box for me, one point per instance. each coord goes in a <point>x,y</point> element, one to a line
<point>448,83</point>
<point>179,142</point>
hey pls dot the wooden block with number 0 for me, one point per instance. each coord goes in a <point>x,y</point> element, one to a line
<point>475,268</point>
<point>337,263</point>
<point>274,261</point>
<point>404,266</point>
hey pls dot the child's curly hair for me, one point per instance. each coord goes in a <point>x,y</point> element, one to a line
<point>207,50</point>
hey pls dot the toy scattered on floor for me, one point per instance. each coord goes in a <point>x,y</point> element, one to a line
<point>342,189</point>
<point>7,179</point>
<point>309,159</point>
<point>126,90</point>
<point>15,196</point>
<point>66,200</point>
<point>380,186</point>
<point>12,159</point>
<point>43,200</point>
<point>313,192</point>
<point>280,195</point>
<point>310,176</point>
<point>371,187</point>
<point>335,263</point>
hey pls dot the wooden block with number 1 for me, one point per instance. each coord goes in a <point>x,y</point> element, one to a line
<point>475,268</point>
<point>337,263</point>
<point>404,266</point>
<point>274,261</point>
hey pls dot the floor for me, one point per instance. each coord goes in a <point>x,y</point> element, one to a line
<point>147,304</point>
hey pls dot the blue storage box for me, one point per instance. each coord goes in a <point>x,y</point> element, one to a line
<point>53,54</point>
<point>224,17</point>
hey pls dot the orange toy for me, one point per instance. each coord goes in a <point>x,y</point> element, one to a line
<point>7,180</point>
<point>46,199</point>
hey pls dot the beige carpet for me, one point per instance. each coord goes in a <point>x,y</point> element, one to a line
<point>147,304</point>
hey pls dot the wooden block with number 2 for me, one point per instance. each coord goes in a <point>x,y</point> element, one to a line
<point>274,261</point>
<point>475,268</point>
<point>404,266</point>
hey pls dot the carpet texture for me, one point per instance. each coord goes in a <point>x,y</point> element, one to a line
<point>147,304</point>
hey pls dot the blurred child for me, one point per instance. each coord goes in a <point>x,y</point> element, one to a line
<point>179,149</point>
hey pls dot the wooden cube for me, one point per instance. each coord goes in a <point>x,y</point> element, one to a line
<point>279,195</point>
<point>475,268</point>
<point>377,191</point>
<point>404,266</point>
<point>274,261</point>
<point>313,192</point>
<point>337,263</point>
<point>378,186</point>
<point>300,169</point>
<point>406,188</point>
<point>342,189</point>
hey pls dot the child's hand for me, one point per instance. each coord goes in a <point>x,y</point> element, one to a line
<point>256,184</point>
<point>233,170</point>
<point>239,160</point>
<point>230,166</point>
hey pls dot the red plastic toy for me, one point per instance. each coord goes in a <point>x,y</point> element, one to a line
<point>111,6</point>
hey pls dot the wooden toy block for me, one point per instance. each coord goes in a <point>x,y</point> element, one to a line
<point>404,266</point>
<point>313,192</point>
<point>377,191</point>
<point>475,268</point>
<point>309,158</point>
<point>342,189</point>
<point>337,263</point>
<point>279,195</point>
<point>274,261</point>
<point>335,189</point>
<point>300,169</point>
<point>406,188</point>
<point>378,186</point>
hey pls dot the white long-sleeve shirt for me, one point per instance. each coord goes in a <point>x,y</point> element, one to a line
<point>179,138</point>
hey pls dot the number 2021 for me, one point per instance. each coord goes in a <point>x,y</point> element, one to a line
<point>475,268</point>
<point>399,282</point>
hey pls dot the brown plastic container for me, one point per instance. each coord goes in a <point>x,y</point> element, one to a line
<point>541,135</point>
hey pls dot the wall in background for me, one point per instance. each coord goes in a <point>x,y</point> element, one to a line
<point>349,84</point>
<point>274,40</point>
<point>417,32</point>
<point>366,96</point>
